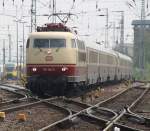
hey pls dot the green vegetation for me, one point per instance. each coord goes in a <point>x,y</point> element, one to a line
<point>147,71</point>
<point>138,74</point>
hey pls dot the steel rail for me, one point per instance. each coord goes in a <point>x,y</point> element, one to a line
<point>22,91</point>
<point>71,118</point>
<point>34,103</point>
<point>9,87</point>
<point>121,101</point>
<point>105,112</point>
<point>137,100</point>
<point>102,109</point>
<point>124,127</point>
<point>126,111</point>
<point>65,111</point>
<point>136,121</point>
<point>60,121</point>
<point>13,92</point>
<point>83,112</point>
<point>13,103</point>
<point>86,111</point>
<point>62,101</point>
<point>104,101</point>
<point>114,121</point>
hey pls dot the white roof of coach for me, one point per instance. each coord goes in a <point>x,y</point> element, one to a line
<point>122,56</point>
<point>110,51</point>
<point>104,50</point>
<point>52,34</point>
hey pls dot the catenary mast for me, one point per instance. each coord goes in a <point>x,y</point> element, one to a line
<point>33,15</point>
<point>142,54</point>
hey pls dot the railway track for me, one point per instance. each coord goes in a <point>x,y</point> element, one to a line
<point>73,106</point>
<point>59,112</point>
<point>135,123</point>
<point>16,103</point>
<point>38,115</point>
<point>10,87</point>
<point>16,89</point>
<point>102,113</point>
<point>104,93</point>
<point>7,95</point>
<point>123,100</point>
<point>78,122</point>
<point>142,106</point>
<point>77,107</point>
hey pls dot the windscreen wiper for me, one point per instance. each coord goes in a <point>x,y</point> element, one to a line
<point>40,49</point>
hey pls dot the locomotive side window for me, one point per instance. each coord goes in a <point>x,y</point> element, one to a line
<point>82,45</point>
<point>81,57</point>
<point>57,43</point>
<point>41,43</point>
<point>28,41</point>
<point>93,57</point>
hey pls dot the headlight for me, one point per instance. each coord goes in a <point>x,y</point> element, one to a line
<point>64,68</point>
<point>34,69</point>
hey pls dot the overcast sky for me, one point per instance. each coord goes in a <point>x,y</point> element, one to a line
<point>86,23</point>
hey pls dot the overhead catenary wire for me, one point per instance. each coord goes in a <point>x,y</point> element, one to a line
<point>73,9</point>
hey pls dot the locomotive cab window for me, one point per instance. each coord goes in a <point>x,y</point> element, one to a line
<point>41,43</point>
<point>57,43</point>
<point>49,43</point>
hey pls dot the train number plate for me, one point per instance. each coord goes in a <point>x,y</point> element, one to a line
<point>49,58</point>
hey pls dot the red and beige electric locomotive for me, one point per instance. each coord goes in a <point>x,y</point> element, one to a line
<point>58,62</point>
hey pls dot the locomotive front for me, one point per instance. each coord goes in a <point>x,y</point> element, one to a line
<point>50,59</point>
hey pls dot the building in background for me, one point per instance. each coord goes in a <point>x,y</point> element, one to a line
<point>141,42</point>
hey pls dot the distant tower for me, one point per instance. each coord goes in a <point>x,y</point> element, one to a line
<point>140,39</point>
<point>142,9</point>
<point>142,54</point>
<point>9,37</point>
<point>122,32</point>
<point>33,15</point>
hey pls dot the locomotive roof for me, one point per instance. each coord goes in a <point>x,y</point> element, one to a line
<point>52,34</point>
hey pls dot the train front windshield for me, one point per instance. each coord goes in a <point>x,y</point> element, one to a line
<point>49,43</point>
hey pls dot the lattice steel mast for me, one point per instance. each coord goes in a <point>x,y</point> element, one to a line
<point>33,15</point>
<point>142,54</point>
<point>54,11</point>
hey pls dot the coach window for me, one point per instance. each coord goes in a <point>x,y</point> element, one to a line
<point>41,43</point>
<point>73,43</point>
<point>81,45</point>
<point>57,43</point>
<point>78,43</point>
